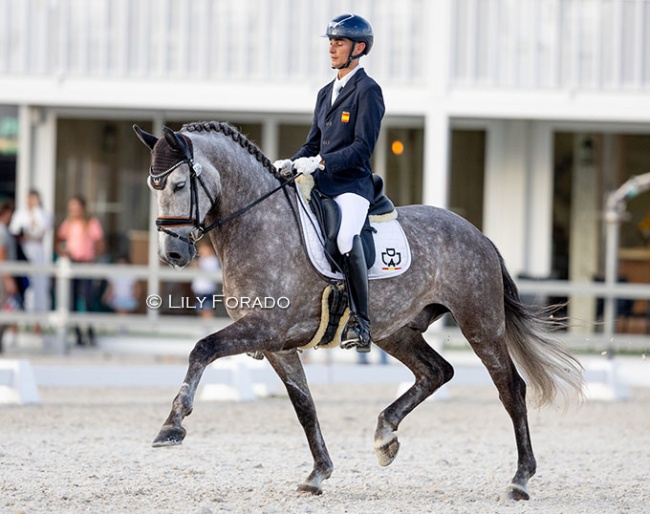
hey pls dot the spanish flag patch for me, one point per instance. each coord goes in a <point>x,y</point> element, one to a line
<point>345,117</point>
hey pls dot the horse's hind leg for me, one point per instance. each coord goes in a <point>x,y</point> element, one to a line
<point>512,393</point>
<point>290,370</point>
<point>431,371</point>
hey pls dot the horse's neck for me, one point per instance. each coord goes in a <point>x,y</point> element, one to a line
<point>261,232</point>
<point>258,244</point>
<point>243,181</point>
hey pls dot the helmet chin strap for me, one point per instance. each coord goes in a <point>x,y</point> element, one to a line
<point>350,58</point>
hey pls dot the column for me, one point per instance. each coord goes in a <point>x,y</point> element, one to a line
<point>504,220</point>
<point>24,157</point>
<point>539,202</point>
<point>435,179</point>
<point>37,164</point>
<point>271,138</point>
<point>585,218</point>
<point>153,280</point>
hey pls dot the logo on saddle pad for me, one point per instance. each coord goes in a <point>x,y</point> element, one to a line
<point>391,259</point>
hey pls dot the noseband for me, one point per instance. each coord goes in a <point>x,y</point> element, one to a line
<point>158,181</point>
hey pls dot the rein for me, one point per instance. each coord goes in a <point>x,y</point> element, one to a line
<point>220,222</point>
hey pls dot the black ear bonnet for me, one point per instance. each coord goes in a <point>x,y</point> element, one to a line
<point>167,154</point>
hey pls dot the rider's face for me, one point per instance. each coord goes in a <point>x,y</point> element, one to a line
<point>340,49</point>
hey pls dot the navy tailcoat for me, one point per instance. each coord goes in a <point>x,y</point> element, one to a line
<point>345,134</point>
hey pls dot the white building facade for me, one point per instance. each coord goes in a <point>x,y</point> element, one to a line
<point>518,114</point>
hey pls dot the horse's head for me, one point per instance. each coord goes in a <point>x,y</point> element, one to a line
<point>185,189</point>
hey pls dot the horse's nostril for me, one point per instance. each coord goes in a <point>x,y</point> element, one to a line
<point>174,256</point>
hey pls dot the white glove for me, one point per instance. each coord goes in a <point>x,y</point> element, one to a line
<point>307,165</point>
<point>284,166</point>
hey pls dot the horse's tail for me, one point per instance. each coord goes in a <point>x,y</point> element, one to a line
<point>544,361</point>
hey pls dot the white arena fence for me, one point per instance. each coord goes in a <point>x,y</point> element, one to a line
<point>242,378</point>
<point>59,320</point>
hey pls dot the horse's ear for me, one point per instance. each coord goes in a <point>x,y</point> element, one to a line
<point>172,139</point>
<point>177,142</point>
<point>148,139</point>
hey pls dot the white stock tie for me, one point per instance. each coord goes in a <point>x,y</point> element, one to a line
<point>337,89</point>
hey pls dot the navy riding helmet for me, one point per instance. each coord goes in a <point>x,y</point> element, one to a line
<point>354,28</point>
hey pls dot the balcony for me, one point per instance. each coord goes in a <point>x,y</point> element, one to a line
<point>551,44</point>
<point>252,40</point>
<point>520,44</point>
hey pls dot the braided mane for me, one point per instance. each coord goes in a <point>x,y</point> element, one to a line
<point>237,137</point>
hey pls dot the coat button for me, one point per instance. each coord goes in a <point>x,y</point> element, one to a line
<point>328,124</point>
<point>326,142</point>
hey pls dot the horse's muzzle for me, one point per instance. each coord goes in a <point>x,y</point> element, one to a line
<point>175,252</point>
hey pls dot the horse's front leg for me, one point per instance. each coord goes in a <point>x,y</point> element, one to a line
<point>245,335</point>
<point>172,431</point>
<point>289,368</point>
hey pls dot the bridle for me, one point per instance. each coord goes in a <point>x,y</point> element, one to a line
<point>163,223</point>
<point>157,181</point>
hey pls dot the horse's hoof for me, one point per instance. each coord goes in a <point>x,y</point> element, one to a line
<point>169,436</point>
<point>517,493</point>
<point>387,452</point>
<point>311,489</point>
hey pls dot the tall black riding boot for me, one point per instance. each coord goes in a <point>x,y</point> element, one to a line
<point>357,330</point>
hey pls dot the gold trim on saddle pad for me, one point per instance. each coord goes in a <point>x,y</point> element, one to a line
<point>322,339</point>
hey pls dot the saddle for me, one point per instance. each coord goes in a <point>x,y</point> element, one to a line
<point>382,237</point>
<point>328,216</point>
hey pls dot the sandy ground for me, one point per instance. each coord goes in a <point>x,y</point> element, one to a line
<point>88,450</point>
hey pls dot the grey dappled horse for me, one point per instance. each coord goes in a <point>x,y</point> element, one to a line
<point>210,178</point>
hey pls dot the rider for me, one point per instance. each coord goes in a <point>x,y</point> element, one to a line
<point>337,151</point>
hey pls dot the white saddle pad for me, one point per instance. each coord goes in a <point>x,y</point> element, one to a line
<point>393,255</point>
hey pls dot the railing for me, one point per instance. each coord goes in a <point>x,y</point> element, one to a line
<point>61,318</point>
<point>155,321</point>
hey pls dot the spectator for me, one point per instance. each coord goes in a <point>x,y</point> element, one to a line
<point>205,288</point>
<point>8,287</point>
<point>31,225</point>
<point>123,291</point>
<point>81,238</point>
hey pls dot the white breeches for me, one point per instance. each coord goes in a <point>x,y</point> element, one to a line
<point>354,209</point>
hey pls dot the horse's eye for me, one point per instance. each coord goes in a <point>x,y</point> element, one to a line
<point>179,186</point>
